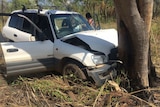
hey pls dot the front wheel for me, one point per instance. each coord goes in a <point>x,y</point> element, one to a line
<point>73,74</point>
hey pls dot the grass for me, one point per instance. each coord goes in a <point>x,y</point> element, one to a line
<point>109,24</point>
<point>155,44</point>
<point>52,91</point>
<point>54,88</point>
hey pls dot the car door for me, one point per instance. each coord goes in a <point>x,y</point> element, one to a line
<point>27,57</point>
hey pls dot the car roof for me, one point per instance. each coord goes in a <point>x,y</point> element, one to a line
<point>45,11</point>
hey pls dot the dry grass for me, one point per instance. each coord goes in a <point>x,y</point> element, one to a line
<point>51,91</point>
<point>155,44</point>
<point>108,25</point>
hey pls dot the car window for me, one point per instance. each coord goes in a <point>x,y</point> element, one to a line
<point>24,25</point>
<point>65,24</point>
<point>15,22</point>
<point>42,22</point>
<point>62,27</point>
<point>20,24</point>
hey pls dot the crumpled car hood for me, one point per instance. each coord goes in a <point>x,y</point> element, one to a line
<point>99,40</point>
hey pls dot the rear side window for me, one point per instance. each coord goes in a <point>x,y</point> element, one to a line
<point>15,22</point>
<point>20,24</point>
<point>21,21</point>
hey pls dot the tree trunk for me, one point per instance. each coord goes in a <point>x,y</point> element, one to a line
<point>133,22</point>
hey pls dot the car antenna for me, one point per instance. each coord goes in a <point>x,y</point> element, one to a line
<point>39,8</point>
<point>23,8</point>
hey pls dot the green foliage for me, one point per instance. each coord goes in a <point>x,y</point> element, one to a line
<point>17,4</point>
<point>104,8</point>
<point>81,6</point>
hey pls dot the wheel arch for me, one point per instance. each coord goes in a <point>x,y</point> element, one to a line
<point>71,60</point>
<point>67,60</point>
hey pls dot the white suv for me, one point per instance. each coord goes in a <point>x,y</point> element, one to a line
<point>53,40</point>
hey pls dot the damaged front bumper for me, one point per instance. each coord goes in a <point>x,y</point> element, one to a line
<point>103,73</point>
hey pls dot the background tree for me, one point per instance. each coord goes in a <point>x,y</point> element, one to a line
<point>104,9</point>
<point>156,11</point>
<point>17,4</point>
<point>3,8</point>
<point>133,22</point>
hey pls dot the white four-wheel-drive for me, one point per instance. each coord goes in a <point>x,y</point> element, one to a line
<point>54,40</point>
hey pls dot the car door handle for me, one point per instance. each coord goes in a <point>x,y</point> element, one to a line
<point>15,35</point>
<point>12,50</point>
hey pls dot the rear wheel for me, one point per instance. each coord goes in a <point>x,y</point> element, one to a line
<point>73,74</point>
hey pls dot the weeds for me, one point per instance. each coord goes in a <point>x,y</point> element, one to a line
<point>52,91</point>
<point>155,44</point>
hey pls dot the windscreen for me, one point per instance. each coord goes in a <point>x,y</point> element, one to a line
<point>65,24</point>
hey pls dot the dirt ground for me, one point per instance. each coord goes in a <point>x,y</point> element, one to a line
<point>3,82</point>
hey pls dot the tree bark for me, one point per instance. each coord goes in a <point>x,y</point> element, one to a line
<point>133,22</point>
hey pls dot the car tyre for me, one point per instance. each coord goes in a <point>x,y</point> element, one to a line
<point>73,74</point>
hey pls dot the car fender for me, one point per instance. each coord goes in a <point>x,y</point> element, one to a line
<point>62,50</point>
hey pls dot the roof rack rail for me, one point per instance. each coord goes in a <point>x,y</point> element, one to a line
<point>23,8</point>
<point>39,8</point>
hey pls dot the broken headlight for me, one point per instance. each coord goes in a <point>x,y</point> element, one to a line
<point>99,59</point>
